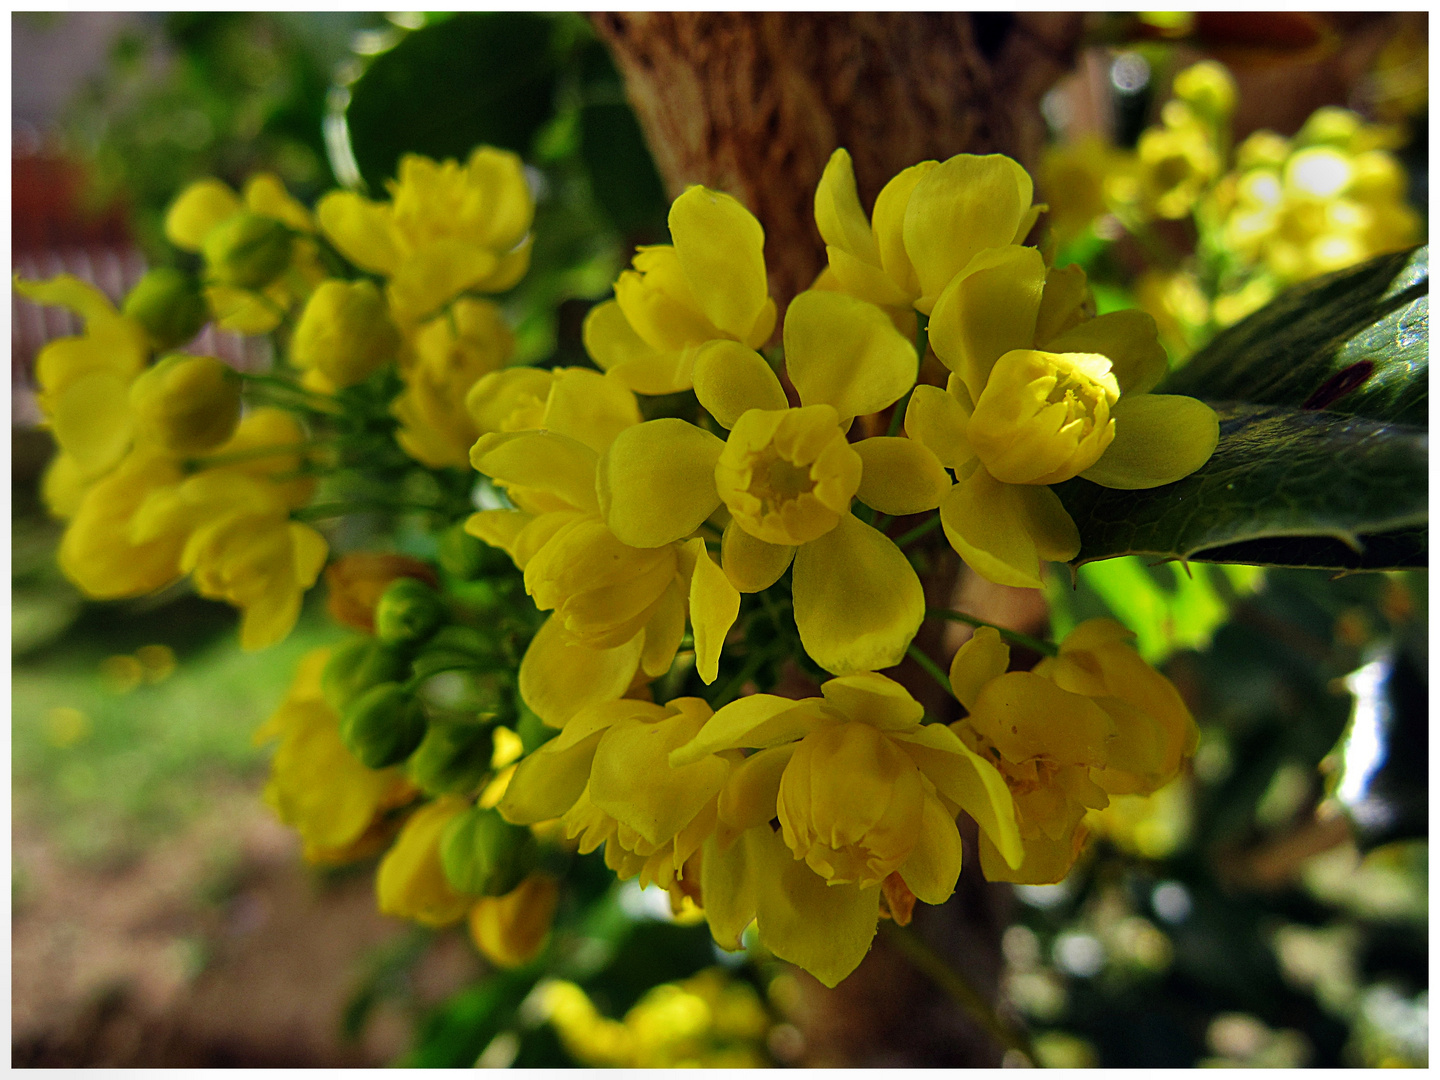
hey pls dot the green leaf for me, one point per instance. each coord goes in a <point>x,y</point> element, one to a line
<point>1355,342</point>
<point>486,77</point>
<point>1285,488</point>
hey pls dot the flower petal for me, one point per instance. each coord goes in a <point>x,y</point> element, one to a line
<point>731,379</point>
<point>589,407</point>
<point>961,207</point>
<point>838,213</point>
<point>547,782</point>
<point>664,632</point>
<point>1027,716</point>
<point>933,867</point>
<point>435,274</point>
<point>361,230</point>
<point>714,603</point>
<point>758,720</point>
<point>657,481</point>
<point>721,248</point>
<point>200,207</point>
<point>858,602</point>
<point>631,781</point>
<point>988,311</point>
<point>619,351</point>
<point>969,781</point>
<point>937,420</point>
<point>870,698</point>
<point>728,879</point>
<point>900,476</point>
<point>1046,861</point>
<point>750,563</point>
<point>752,792</point>
<point>1004,531</point>
<point>1159,438</point>
<point>1131,342</point>
<point>541,460</point>
<point>984,657</point>
<point>847,353</point>
<point>559,677</point>
<point>889,226</point>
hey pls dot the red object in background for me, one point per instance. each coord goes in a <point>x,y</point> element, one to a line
<point>46,212</point>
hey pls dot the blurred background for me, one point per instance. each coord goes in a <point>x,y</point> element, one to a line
<point>1268,909</point>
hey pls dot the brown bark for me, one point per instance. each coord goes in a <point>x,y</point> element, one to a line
<point>755,103</point>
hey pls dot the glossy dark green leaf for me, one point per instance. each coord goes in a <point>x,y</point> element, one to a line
<point>1285,488</point>
<point>1354,342</point>
<point>622,173</point>
<point>478,77</point>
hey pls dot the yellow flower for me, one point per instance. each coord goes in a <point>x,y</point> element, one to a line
<point>709,285</point>
<point>316,786</point>
<point>930,221</point>
<point>447,229</point>
<point>259,258</point>
<point>617,606</point>
<point>445,359</point>
<point>411,882</point>
<point>1074,177</point>
<point>511,930</point>
<point>343,336</point>
<point>1041,392</point>
<point>862,790</point>
<point>186,405</point>
<point>787,477</point>
<point>1094,721</point>
<point>1209,89</point>
<point>1178,162</point>
<point>84,382</point>
<point>355,583</point>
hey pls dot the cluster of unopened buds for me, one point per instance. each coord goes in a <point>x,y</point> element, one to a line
<point>940,371</point>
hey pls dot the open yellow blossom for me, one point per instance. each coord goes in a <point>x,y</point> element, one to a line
<point>862,790</point>
<point>444,360</point>
<point>84,382</point>
<point>787,477</point>
<point>1094,721</point>
<point>411,882</point>
<point>259,257</point>
<point>1074,178</point>
<point>929,222</point>
<point>316,785</point>
<point>617,607</point>
<point>1042,392</point>
<point>709,285</point>
<point>447,229</point>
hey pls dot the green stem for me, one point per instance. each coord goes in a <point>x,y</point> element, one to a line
<point>923,529</point>
<point>237,456</point>
<point>882,523</point>
<point>915,653</point>
<point>340,509</point>
<point>956,988</point>
<point>897,418</point>
<point>1044,648</point>
<point>276,382</point>
<point>732,689</point>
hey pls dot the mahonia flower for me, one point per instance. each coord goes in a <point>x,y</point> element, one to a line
<point>617,607</point>
<point>344,335</point>
<point>710,285</point>
<point>787,477</point>
<point>186,405</point>
<point>1075,178</point>
<point>443,361</point>
<point>316,785</point>
<point>862,790</point>
<point>1041,392</point>
<point>260,255</point>
<point>929,222</point>
<point>355,582</point>
<point>411,881</point>
<point>510,930</point>
<point>447,229</point>
<point>1091,722</point>
<point>84,386</point>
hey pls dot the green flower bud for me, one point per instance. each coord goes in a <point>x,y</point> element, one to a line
<point>409,610</point>
<point>455,648</point>
<point>383,726</point>
<point>460,554</point>
<point>186,404</point>
<point>248,251</point>
<point>345,332</point>
<point>169,305</point>
<point>484,855</point>
<point>454,759</point>
<point>358,665</point>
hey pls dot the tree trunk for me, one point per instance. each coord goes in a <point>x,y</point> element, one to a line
<point>754,104</point>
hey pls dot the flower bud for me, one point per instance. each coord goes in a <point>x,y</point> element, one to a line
<point>345,332</point>
<point>357,581</point>
<point>463,556</point>
<point>409,610</point>
<point>411,881</point>
<point>454,758</point>
<point>1207,88</point>
<point>248,251</point>
<point>169,305</point>
<point>358,665</point>
<point>383,726</point>
<point>186,404</point>
<point>484,855</point>
<point>511,930</point>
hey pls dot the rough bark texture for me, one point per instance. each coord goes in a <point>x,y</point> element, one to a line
<point>755,103</point>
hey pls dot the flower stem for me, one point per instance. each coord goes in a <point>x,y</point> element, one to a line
<point>238,456</point>
<point>917,654</point>
<point>1044,648</point>
<point>956,988</point>
<point>923,529</point>
<point>732,689</point>
<point>340,509</point>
